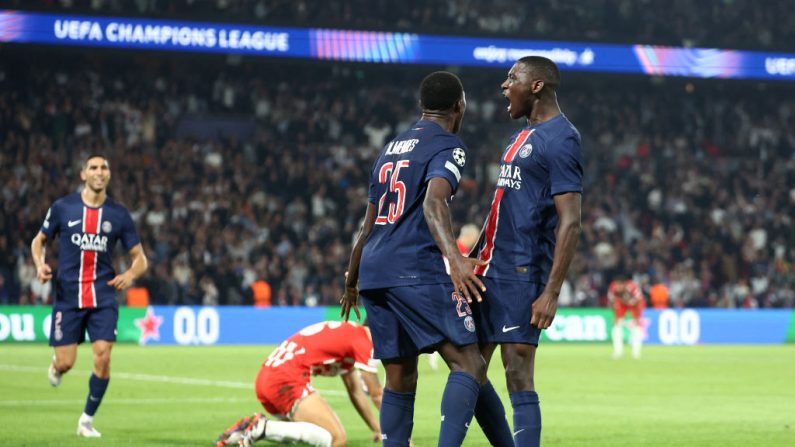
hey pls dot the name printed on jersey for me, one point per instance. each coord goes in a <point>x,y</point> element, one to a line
<point>401,146</point>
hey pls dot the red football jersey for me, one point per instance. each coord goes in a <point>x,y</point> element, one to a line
<point>631,295</point>
<point>328,348</point>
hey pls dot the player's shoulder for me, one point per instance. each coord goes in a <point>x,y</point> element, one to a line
<point>443,140</point>
<point>558,133</point>
<point>557,129</point>
<point>434,136</point>
<point>69,199</point>
<point>115,205</point>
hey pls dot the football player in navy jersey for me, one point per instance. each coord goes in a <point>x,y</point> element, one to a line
<point>88,225</point>
<point>530,235</point>
<point>415,284</point>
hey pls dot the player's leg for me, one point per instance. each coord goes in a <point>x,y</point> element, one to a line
<point>66,332</point>
<point>97,385</point>
<point>519,362</point>
<point>397,404</point>
<point>233,435</point>
<point>636,331</point>
<point>618,329</point>
<point>467,373</point>
<point>290,398</point>
<point>509,314</point>
<point>63,360</point>
<point>101,325</point>
<point>436,317</point>
<point>101,350</point>
<point>389,315</point>
<point>492,317</point>
<point>260,427</point>
<point>312,409</point>
<point>489,410</point>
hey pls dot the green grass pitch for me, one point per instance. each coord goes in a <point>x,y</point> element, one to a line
<point>184,396</point>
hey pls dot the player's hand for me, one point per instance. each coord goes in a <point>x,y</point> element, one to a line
<point>376,436</point>
<point>121,282</point>
<point>543,311</point>
<point>465,282</point>
<point>350,300</point>
<point>44,273</point>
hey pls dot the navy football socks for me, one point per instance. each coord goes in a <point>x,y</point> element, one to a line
<point>526,418</point>
<point>96,389</point>
<point>490,414</point>
<point>458,407</point>
<point>397,418</point>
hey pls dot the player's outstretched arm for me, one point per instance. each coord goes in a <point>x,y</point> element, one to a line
<point>353,383</point>
<point>43,271</point>
<point>138,267</point>
<point>567,236</point>
<point>437,215</point>
<point>374,388</point>
<point>350,297</point>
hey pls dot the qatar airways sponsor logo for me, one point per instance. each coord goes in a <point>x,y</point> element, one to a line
<point>90,242</point>
<point>510,177</point>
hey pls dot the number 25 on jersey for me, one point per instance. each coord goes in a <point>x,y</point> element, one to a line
<point>389,173</point>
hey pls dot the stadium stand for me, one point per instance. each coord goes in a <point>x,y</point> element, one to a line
<point>690,183</point>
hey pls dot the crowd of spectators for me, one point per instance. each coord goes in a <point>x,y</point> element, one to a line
<point>745,24</point>
<point>691,184</point>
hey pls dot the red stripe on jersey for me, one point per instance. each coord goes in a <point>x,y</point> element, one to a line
<point>520,139</point>
<point>88,260</point>
<point>491,232</point>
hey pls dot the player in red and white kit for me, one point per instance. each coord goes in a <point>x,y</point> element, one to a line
<point>283,387</point>
<point>624,295</point>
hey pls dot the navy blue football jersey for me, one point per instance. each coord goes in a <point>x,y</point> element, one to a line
<point>400,250</point>
<point>87,238</point>
<point>518,238</point>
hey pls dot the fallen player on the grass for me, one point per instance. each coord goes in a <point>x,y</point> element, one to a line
<point>299,413</point>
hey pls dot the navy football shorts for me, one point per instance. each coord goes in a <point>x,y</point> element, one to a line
<point>408,320</point>
<point>504,315</point>
<point>69,326</point>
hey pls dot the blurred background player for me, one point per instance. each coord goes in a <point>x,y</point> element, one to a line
<point>659,296</point>
<point>283,387</point>
<point>89,224</point>
<point>624,295</point>
<point>467,238</point>
<point>414,283</point>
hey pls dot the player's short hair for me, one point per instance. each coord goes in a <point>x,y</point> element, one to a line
<point>440,90</point>
<point>544,69</point>
<point>622,277</point>
<point>95,155</point>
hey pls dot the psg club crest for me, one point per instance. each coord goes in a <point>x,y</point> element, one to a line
<point>106,227</point>
<point>459,156</point>
<point>469,323</point>
<point>526,150</point>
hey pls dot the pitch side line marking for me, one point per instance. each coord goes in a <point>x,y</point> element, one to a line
<point>159,379</point>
